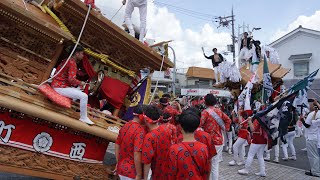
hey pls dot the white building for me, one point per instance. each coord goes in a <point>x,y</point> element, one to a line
<point>299,50</point>
<point>199,77</point>
<point>164,81</point>
<point>198,81</point>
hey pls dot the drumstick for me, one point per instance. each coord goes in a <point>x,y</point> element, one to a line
<point>243,122</point>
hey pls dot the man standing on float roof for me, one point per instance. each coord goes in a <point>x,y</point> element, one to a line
<point>216,59</point>
<point>142,5</point>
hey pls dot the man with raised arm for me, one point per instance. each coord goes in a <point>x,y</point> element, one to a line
<point>216,59</point>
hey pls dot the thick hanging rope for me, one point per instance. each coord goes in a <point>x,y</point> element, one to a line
<point>75,46</point>
<point>104,58</point>
<point>155,89</point>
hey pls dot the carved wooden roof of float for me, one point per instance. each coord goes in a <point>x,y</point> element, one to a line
<point>30,41</point>
<point>103,36</point>
<point>280,73</point>
<point>246,74</point>
<point>14,12</point>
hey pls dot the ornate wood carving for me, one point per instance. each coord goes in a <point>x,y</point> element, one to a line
<point>25,50</point>
<point>20,67</point>
<point>51,167</point>
<point>26,37</point>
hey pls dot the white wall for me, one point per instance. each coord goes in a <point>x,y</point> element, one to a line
<point>181,77</point>
<point>300,43</point>
<point>158,74</point>
<point>184,81</point>
<point>192,81</point>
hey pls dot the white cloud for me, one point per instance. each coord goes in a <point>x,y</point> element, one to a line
<point>163,25</point>
<point>310,22</point>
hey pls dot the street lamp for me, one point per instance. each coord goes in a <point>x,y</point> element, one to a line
<point>254,29</point>
<point>174,71</point>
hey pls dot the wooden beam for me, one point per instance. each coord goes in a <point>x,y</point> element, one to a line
<point>100,120</point>
<point>56,117</point>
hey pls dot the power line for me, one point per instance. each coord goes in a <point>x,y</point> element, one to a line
<point>185,10</point>
<point>191,15</point>
<point>200,18</point>
<point>194,14</point>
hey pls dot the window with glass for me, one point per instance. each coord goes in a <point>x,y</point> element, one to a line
<point>301,68</point>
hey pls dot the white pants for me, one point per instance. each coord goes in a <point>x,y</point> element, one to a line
<point>255,60</point>
<point>125,178</point>
<point>233,133</point>
<point>244,55</point>
<point>276,150</point>
<point>254,68</point>
<point>76,93</point>
<point>244,148</point>
<point>229,134</point>
<point>214,174</point>
<point>298,131</point>
<point>225,141</point>
<point>143,18</point>
<point>289,138</point>
<point>313,156</point>
<point>253,150</point>
<point>238,154</point>
<point>216,74</point>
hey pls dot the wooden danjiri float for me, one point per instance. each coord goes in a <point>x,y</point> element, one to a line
<point>277,72</point>
<point>37,137</point>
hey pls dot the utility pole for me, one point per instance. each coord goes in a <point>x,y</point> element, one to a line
<point>224,22</point>
<point>233,37</point>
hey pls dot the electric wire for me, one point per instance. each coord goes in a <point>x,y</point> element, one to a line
<point>185,10</point>
<point>194,14</point>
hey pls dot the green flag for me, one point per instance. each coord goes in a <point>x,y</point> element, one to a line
<point>303,86</point>
<point>267,83</point>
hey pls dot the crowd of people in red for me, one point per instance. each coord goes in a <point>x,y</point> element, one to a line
<point>164,142</point>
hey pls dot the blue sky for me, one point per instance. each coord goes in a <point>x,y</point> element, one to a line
<point>270,15</point>
<point>275,17</point>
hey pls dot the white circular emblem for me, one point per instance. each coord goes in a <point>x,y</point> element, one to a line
<point>114,129</point>
<point>42,142</point>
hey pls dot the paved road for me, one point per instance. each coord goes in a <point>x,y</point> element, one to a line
<point>273,171</point>
<point>302,161</point>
